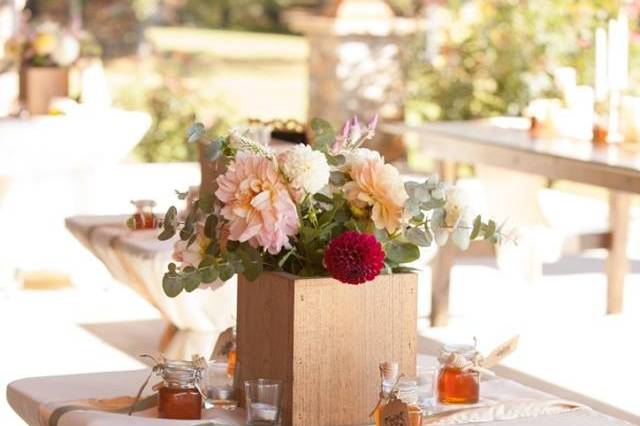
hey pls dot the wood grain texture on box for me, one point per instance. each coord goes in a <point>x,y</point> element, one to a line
<point>324,340</point>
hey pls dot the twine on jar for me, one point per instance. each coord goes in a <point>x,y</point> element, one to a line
<point>156,369</point>
<point>388,371</point>
<point>479,363</point>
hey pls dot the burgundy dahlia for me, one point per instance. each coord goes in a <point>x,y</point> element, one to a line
<point>354,258</point>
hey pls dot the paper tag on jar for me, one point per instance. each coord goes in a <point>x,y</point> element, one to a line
<point>395,413</point>
<point>501,352</point>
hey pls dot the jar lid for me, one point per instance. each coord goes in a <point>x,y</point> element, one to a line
<point>181,373</point>
<point>460,348</point>
<point>143,203</point>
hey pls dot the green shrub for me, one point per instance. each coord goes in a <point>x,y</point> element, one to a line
<point>496,55</point>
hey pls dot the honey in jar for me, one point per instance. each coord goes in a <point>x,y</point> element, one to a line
<point>179,397</point>
<point>144,217</point>
<point>404,390</point>
<point>600,135</point>
<point>456,383</point>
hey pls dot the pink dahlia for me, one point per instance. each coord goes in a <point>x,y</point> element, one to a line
<point>354,258</point>
<point>256,203</point>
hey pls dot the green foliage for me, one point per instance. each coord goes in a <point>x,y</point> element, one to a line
<point>172,106</point>
<point>497,55</point>
<point>255,15</point>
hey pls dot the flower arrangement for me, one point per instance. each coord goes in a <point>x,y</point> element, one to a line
<point>46,44</point>
<point>332,209</point>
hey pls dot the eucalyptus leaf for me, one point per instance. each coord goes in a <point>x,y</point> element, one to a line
<point>336,160</point>
<point>337,178</point>
<point>322,198</point>
<point>186,233</point>
<point>432,204</point>
<point>489,230</point>
<point>208,274</point>
<point>251,261</point>
<point>190,279</point>
<point>226,272</point>
<point>410,187</point>
<point>341,216</point>
<point>167,233</point>
<point>181,195</point>
<point>205,202</point>
<point>432,182</point>
<point>171,217</point>
<point>324,134</point>
<point>402,252</point>
<point>195,132</point>
<point>404,270</point>
<point>477,226</point>
<point>192,240</point>
<point>212,150</point>
<point>412,206</point>
<point>418,236</point>
<point>417,219</point>
<point>421,193</point>
<point>381,234</point>
<point>172,284</point>
<point>210,226</point>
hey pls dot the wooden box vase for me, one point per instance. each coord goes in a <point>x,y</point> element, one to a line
<point>39,85</point>
<point>324,340</point>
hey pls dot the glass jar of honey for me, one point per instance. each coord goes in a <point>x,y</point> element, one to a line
<point>179,395</point>
<point>408,393</point>
<point>457,384</point>
<point>144,217</point>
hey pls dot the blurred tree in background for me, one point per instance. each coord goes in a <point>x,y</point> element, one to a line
<point>493,56</point>
<point>174,106</point>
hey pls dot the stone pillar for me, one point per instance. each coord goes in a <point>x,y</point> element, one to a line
<point>356,60</point>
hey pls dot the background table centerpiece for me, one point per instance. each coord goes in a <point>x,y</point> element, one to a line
<point>45,53</point>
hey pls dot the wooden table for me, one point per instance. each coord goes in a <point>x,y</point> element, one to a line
<point>505,143</point>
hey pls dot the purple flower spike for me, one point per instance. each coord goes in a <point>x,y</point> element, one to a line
<point>346,129</point>
<point>355,123</point>
<point>373,123</point>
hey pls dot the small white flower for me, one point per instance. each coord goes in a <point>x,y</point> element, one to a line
<point>359,155</point>
<point>67,50</point>
<point>461,235</point>
<point>457,207</point>
<point>246,144</point>
<point>306,169</point>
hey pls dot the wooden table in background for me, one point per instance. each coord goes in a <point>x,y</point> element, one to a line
<point>497,143</point>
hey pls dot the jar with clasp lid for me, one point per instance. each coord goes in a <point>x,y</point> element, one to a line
<point>458,381</point>
<point>179,393</point>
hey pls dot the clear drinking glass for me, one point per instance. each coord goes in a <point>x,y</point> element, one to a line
<point>426,379</point>
<point>263,397</point>
<point>219,385</point>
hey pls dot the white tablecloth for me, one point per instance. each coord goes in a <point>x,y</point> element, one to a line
<point>47,164</point>
<point>139,260</point>
<point>27,396</point>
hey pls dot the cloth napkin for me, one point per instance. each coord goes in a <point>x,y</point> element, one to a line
<point>502,411</point>
<point>113,412</point>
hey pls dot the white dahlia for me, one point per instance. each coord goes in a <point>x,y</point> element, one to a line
<point>306,169</point>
